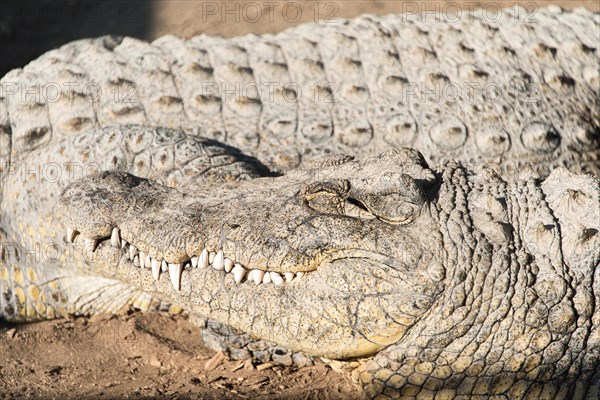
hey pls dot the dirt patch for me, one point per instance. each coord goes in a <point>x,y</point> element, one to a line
<point>144,356</point>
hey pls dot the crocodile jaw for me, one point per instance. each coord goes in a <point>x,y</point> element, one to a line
<point>354,302</point>
<point>345,308</point>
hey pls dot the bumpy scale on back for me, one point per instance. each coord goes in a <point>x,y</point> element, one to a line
<point>477,89</point>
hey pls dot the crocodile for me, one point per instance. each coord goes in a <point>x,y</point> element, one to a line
<point>474,277</point>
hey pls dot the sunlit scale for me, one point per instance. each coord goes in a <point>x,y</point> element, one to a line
<point>218,261</point>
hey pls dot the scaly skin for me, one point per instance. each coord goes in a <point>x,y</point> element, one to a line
<point>453,285</point>
<point>414,315</point>
<point>38,279</point>
<point>508,90</point>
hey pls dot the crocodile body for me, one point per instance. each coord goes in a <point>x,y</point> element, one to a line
<point>480,89</point>
<point>455,280</point>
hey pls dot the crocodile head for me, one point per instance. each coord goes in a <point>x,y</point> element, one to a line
<point>338,259</point>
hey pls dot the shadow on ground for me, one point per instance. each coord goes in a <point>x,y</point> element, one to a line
<point>29,28</point>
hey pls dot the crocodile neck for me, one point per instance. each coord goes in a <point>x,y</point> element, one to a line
<point>504,253</point>
<point>513,316</point>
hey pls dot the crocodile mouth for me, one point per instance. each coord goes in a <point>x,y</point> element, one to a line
<point>296,309</point>
<point>219,261</point>
<point>285,259</point>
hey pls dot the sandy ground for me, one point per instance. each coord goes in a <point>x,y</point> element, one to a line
<point>143,356</point>
<point>150,356</point>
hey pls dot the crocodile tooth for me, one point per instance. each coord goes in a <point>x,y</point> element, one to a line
<point>289,276</point>
<point>194,261</point>
<point>211,257</point>
<point>238,273</point>
<point>257,275</point>
<point>175,274</point>
<point>71,235</point>
<point>164,267</point>
<point>218,260</point>
<point>123,244</point>
<point>136,261</point>
<point>132,251</point>
<point>115,238</point>
<point>299,275</point>
<point>148,261</point>
<point>276,278</point>
<point>228,264</point>
<point>155,269</point>
<point>203,262</point>
<point>249,274</point>
<point>266,278</point>
<point>142,257</point>
<point>90,244</point>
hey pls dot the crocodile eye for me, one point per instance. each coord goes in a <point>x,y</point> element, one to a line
<point>332,197</point>
<point>326,197</point>
<point>357,203</point>
<point>353,207</point>
<point>393,208</point>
